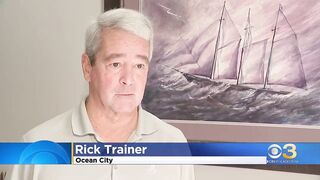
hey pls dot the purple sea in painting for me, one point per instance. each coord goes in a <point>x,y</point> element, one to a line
<point>212,61</point>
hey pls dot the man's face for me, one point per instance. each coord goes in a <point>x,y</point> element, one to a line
<point>118,77</point>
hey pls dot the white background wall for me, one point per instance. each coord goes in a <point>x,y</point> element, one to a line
<point>41,42</point>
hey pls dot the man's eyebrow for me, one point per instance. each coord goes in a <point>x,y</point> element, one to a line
<point>118,55</point>
<point>113,56</point>
<point>143,57</point>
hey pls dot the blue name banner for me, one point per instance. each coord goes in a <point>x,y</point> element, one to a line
<point>47,152</point>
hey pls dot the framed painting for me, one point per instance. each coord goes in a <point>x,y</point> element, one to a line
<point>235,70</point>
<point>213,85</point>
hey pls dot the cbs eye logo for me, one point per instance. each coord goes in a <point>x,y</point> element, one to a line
<point>44,152</point>
<point>288,151</point>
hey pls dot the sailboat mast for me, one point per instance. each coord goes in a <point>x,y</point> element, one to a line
<point>245,43</point>
<point>272,43</point>
<point>217,43</point>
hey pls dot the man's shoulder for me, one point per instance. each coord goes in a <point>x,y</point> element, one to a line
<point>165,131</point>
<point>51,129</point>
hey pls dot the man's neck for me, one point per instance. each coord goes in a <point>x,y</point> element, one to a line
<point>109,125</point>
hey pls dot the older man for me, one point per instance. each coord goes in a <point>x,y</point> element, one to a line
<point>115,64</point>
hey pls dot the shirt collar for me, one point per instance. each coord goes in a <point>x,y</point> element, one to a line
<point>81,124</point>
<point>145,124</point>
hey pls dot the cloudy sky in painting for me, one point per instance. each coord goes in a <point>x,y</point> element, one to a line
<point>181,20</point>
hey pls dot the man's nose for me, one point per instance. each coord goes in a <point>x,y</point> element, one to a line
<point>126,76</point>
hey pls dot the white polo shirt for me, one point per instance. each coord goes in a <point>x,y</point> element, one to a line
<point>75,126</point>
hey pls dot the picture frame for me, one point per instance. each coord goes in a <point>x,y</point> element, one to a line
<point>112,4</point>
<point>219,131</point>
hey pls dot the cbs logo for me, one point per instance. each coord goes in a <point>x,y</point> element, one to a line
<point>44,152</point>
<point>288,151</point>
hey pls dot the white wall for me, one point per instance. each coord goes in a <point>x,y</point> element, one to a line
<point>41,42</point>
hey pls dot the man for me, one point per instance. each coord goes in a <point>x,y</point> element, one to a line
<point>115,64</point>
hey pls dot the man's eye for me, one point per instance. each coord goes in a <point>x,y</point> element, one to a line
<point>115,65</point>
<point>140,66</point>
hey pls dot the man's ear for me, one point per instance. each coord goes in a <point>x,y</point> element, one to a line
<point>86,67</point>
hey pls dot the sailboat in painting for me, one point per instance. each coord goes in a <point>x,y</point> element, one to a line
<point>255,64</point>
<point>214,60</point>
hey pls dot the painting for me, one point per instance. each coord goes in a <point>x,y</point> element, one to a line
<point>241,61</point>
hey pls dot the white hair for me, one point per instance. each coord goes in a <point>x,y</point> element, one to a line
<point>126,19</point>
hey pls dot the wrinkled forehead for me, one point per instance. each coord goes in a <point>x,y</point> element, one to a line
<point>108,30</point>
<point>118,43</point>
<point>120,35</point>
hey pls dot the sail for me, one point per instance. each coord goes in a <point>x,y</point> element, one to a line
<point>284,28</point>
<point>286,64</point>
<point>205,62</point>
<point>245,47</point>
<point>202,66</point>
<point>224,39</point>
<point>225,62</point>
<point>252,71</point>
<point>203,39</point>
<point>226,67</point>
